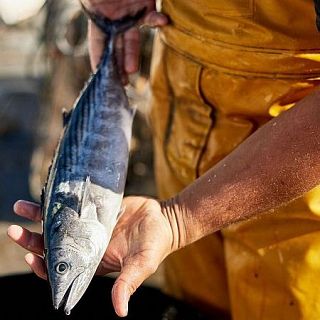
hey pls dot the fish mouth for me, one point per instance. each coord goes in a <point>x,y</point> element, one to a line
<point>58,300</point>
<point>74,292</point>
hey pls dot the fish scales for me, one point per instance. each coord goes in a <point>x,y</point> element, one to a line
<point>85,186</point>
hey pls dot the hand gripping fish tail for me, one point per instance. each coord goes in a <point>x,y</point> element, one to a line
<point>84,190</point>
<point>114,27</point>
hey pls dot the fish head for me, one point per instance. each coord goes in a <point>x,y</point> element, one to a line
<point>75,248</point>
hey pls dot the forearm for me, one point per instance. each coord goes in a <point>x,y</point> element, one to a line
<point>275,165</point>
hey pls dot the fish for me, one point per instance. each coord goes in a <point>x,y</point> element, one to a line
<point>81,200</point>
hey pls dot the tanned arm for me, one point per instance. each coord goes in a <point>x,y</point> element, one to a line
<point>276,164</point>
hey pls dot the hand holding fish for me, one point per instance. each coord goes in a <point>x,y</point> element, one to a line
<point>82,196</point>
<point>142,238</point>
<point>128,44</point>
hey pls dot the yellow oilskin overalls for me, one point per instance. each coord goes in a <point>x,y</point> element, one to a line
<point>221,69</point>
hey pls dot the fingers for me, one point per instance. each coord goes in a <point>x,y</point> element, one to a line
<point>96,44</point>
<point>119,51</point>
<point>105,268</point>
<point>28,240</point>
<point>27,210</point>
<point>127,50</point>
<point>155,19</point>
<point>132,40</point>
<point>131,50</point>
<point>33,242</point>
<point>126,284</point>
<point>37,265</point>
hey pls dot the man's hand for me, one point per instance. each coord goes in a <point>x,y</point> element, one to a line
<point>142,238</point>
<point>128,44</point>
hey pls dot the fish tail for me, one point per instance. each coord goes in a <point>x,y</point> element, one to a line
<point>113,27</point>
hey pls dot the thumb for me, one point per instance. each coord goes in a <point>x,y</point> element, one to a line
<point>96,44</point>
<point>127,283</point>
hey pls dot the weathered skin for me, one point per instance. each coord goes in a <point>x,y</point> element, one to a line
<point>83,195</point>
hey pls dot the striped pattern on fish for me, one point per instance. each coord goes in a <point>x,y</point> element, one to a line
<point>83,195</point>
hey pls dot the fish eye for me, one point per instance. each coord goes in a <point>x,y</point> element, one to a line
<point>62,267</point>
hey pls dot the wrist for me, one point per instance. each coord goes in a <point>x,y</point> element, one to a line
<point>184,230</point>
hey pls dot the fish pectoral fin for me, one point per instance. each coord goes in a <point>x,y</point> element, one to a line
<point>66,115</point>
<point>87,205</point>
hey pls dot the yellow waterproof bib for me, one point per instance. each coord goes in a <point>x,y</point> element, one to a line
<point>270,37</point>
<point>220,70</point>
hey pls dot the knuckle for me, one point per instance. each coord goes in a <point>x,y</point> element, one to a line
<point>132,37</point>
<point>131,286</point>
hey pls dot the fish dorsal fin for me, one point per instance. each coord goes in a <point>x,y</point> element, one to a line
<point>42,199</point>
<point>66,115</point>
<point>85,198</point>
<point>44,191</point>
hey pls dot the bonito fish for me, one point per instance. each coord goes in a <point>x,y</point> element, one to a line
<point>83,195</point>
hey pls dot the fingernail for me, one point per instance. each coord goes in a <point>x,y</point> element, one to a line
<point>29,258</point>
<point>125,308</point>
<point>131,66</point>
<point>15,205</point>
<point>14,232</point>
<point>126,297</point>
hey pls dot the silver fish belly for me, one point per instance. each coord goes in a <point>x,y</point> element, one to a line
<point>85,186</point>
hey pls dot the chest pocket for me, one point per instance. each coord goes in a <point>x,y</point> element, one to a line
<point>228,8</point>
